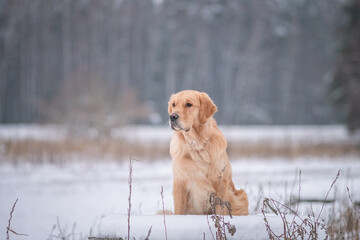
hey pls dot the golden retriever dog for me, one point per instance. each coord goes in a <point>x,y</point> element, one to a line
<point>199,160</point>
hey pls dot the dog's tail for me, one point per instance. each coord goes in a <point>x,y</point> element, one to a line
<point>239,202</point>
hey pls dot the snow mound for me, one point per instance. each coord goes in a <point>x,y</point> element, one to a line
<point>189,227</point>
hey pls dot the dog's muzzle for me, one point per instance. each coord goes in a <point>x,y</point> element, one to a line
<point>175,125</point>
<point>174,117</point>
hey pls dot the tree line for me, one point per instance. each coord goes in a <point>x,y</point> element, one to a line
<point>262,62</point>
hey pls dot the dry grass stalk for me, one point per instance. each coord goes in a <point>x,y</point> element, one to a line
<point>63,233</point>
<point>219,220</point>
<point>292,229</point>
<point>129,199</point>
<point>307,228</point>
<point>297,207</point>
<point>344,224</point>
<point>344,221</point>
<point>39,151</point>
<point>163,207</point>
<point>268,148</point>
<point>353,203</point>
<point>212,234</point>
<point>327,194</point>
<point>148,234</point>
<point>43,151</point>
<point>8,228</point>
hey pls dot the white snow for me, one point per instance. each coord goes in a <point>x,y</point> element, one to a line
<point>85,192</point>
<point>274,134</point>
<point>162,134</point>
<point>189,227</point>
<point>93,193</point>
<point>31,131</point>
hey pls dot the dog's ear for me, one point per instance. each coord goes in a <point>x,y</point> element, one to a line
<point>170,104</point>
<point>207,107</point>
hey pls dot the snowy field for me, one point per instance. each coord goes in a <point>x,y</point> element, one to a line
<point>276,134</point>
<point>84,193</point>
<point>88,197</point>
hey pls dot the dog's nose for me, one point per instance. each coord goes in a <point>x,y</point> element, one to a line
<point>174,117</point>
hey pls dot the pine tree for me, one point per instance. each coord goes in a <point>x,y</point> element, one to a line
<point>345,87</point>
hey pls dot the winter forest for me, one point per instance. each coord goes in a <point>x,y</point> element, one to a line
<point>84,122</point>
<point>262,62</point>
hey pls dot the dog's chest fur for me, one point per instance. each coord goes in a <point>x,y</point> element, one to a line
<point>191,159</point>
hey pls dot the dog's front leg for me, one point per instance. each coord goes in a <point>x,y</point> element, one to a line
<point>222,193</point>
<point>180,197</point>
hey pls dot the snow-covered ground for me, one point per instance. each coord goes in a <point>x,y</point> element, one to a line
<point>191,227</point>
<point>32,131</point>
<point>89,193</point>
<point>93,193</point>
<point>277,134</point>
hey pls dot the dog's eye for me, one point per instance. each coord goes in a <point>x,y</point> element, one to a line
<point>173,104</point>
<point>188,104</point>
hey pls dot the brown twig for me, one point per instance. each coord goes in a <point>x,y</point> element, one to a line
<point>354,205</point>
<point>149,232</point>
<point>8,229</point>
<point>327,194</point>
<point>163,207</point>
<point>212,234</point>
<point>295,230</point>
<point>298,203</point>
<point>130,189</point>
<point>219,220</point>
<point>271,234</point>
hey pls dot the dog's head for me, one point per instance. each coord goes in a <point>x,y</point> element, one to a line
<point>188,109</point>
